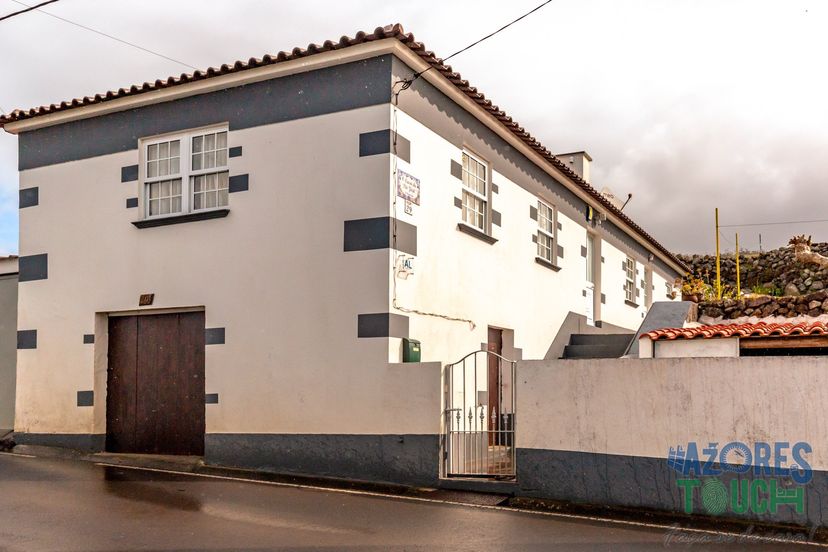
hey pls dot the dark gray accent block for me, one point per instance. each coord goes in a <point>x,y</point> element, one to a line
<point>87,442</point>
<point>641,483</point>
<point>583,292</point>
<point>495,188</point>
<point>560,252</point>
<point>534,238</point>
<point>533,212</point>
<point>603,299</point>
<point>378,233</point>
<point>27,339</point>
<point>328,90</point>
<point>214,336</point>
<point>458,202</point>
<point>382,324</point>
<point>403,459</point>
<point>129,174</point>
<point>33,267</point>
<point>382,141</point>
<point>583,251</point>
<point>560,226</point>
<point>456,169</point>
<point>131,202</point>
<point>235,151</point>
<point>88,338</point>
<point>180,219</point>
<point>239,183</point>
<point>211,398</point>
<point>496,217</point>
<point>86,398</point>
<point>29,197</point>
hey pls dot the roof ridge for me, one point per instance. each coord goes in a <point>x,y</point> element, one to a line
<point>394,30</point>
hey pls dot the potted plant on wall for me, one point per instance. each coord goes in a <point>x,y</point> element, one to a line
<point>694,289</point>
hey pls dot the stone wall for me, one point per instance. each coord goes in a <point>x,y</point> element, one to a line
<point>776,269</point>
<point>763,306</point>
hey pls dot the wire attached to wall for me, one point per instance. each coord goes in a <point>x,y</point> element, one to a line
<point>405,84</point>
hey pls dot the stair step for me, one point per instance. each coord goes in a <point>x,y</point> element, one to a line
<point>593,351</point>
<point>601,339</point>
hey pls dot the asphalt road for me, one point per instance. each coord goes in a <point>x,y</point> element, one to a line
<point>52,504</point>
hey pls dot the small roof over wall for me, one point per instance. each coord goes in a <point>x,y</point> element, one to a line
<point>758,336</point>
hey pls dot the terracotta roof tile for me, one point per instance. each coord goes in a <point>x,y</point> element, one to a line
<point>760,329</point>
<point>390,31</point>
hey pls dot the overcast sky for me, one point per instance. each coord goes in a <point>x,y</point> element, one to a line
<point>687,104</point>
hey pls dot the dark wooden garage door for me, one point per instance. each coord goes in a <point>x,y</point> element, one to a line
<point>155,384</point>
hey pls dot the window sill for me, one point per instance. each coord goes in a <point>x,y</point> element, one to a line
<point>543,262</point>
<point>180,219</point>
<point>630,304</point>
<point>472,231</point>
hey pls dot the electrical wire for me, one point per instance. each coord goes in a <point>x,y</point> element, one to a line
<point>28,9</point>
<point>772,223</point>
<point>406,83</point>
<point>115,38</point>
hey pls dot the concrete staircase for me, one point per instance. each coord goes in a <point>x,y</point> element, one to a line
<point>597,346</point>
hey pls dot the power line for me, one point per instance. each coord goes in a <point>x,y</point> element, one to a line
<point>28,9</point>
<point>107,35</point>
<point>771,223</point>
<point>407,82</point>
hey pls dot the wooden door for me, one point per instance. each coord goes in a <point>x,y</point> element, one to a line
<point>495,345</point>
<point>155,384</point>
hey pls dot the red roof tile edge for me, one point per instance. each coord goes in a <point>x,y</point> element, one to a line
<point>760,329</point>
<point>390,31</point>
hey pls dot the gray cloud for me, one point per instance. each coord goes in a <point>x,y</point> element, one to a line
<point>686,104</point>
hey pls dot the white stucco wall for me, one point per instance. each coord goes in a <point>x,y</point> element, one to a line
<point>500,284</point>
<point>640,407</point>
<point>273,273</point>
<point>689,348</point>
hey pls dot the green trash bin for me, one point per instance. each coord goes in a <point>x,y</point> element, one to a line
<point>411,350</point>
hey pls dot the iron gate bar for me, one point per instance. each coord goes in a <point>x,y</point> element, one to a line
<point>478,438</point>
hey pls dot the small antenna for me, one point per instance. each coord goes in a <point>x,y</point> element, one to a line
<point>629,197</point>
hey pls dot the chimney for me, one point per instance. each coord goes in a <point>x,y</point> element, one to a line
<point>578,161</point>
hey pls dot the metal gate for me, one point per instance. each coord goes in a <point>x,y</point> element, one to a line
<point>479,430</point>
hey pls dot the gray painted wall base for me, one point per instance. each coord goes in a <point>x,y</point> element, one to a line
<point>78,441</point>
<point>403,459</point>
<point>640,483</point>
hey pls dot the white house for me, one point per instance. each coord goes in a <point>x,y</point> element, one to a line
<point>262,237</point>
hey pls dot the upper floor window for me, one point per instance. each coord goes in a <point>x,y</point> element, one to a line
<point>186,173</point>
<point>475,189</point>
<point>546,232</point>
<point>629,283</point>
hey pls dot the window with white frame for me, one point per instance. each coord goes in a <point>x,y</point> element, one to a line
<point>186,173</point>
<point>475,186</point>
<point>629,284</point>
<point>546,232</point>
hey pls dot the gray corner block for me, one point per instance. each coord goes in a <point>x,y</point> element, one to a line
<point>214,336</point>
<point>129,174</point>
<point>495,188</point>
<point>534,238</point>
<point>86,398</point>
<point>560,252</point>
<point>458,202</point>
<point>378,233</point>
<point>29,197</point>
<point>235,151</point>
<point>33,267</point>
<point>603,299</point>
<point>132,203</point>
<point>27,339</point>
<point>211,398</point>
<point>238,183</point>
<point>583,251</point>
<point>382,324</point>
<point>560,227</point>
<point>88,338</point>
<point>382,141</point>
<point>533,212</point>
<point>456,169</point>
<point>496,217</point>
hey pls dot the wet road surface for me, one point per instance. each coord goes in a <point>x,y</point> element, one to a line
<point>52,504</point>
